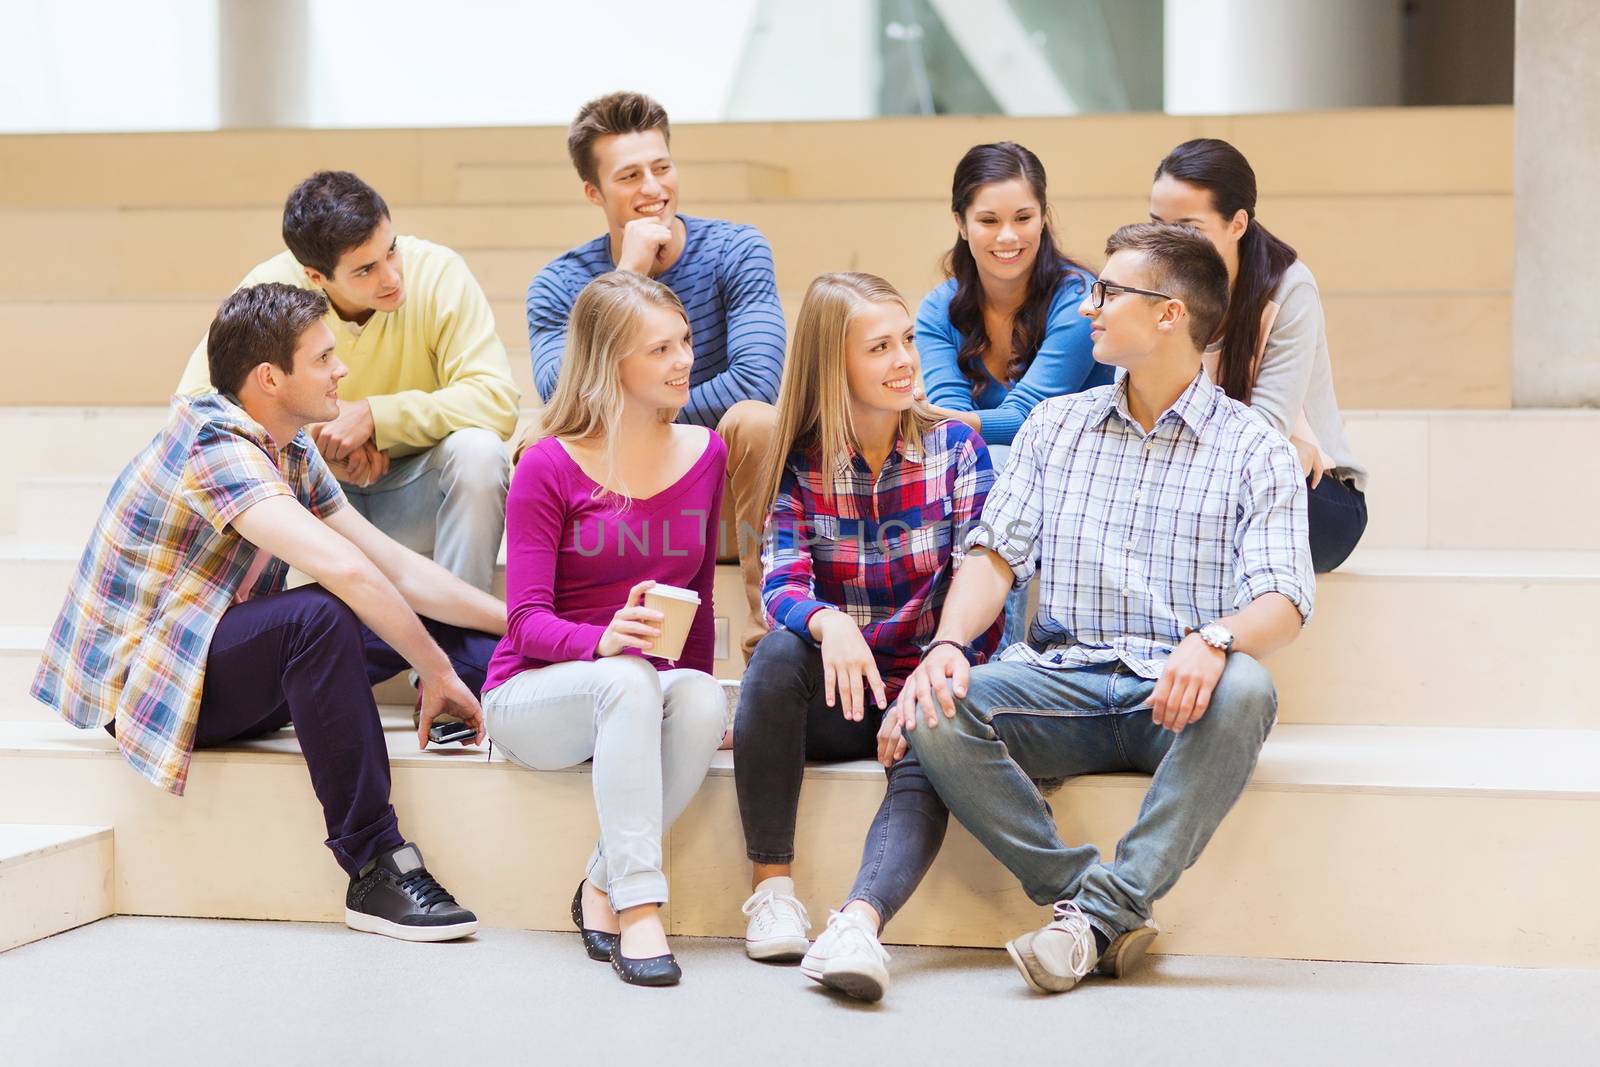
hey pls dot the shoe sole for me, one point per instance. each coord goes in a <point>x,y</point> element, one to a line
<point>1126,953</point>
<point>1027,972</point>
<point>857,984</point>
<point>777,950</point>
<point>371,924</point>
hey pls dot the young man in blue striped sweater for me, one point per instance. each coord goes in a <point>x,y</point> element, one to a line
<point>722,271</point>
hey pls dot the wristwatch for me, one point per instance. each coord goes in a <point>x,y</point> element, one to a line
<point>1216,635</point>
<point>965,650</point>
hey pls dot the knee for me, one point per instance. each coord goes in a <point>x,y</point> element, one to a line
<point>747,427</point>
<point>1245,700</point>
<point>324,615</point>
<point>475,458</point>
<point>628,685</point>
<point>699,699</point>
<point>781,663</point>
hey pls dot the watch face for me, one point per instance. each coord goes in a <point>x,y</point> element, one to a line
<point>1216,636</point>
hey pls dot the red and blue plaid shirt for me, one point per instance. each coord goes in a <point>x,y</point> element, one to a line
<point>879,548</point>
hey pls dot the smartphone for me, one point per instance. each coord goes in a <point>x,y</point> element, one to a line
<point>444,733</point>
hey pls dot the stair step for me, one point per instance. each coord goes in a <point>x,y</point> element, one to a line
<point>1351,843</point>
<point>52,878</point>
<point>1389,643</point>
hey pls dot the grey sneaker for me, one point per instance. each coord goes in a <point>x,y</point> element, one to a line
<point>1058,957</point>
<point>849,958</point>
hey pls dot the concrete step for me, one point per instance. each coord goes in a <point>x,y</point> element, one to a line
<point>1288,875</point>
<point>1418,150</point>
<point>1429,470</point>
<point>558,183</point>
<point>1396,639</point>
<point>52,878</point>
<point>1371,243</point>
<point>1395,349</point>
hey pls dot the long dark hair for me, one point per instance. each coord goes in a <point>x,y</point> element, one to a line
<point>986,164</point>
<point>1221,169</point>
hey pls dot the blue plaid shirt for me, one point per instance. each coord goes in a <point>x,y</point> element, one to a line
<point>1137,536</point>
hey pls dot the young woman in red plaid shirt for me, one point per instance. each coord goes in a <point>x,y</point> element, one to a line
<point>870,492</point>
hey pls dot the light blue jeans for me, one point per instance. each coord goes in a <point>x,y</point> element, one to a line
<point>1020,723</point>
<point>448,502</point>
<point>651,734</point>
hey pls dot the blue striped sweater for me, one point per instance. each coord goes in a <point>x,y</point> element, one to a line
<point>724,278</point>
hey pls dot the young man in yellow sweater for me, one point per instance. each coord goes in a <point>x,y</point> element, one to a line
<point>418,444</point>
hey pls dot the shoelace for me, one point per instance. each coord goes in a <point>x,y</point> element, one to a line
<point>768,899</point>
<point>421,887</point>
<point>1070,920</point>
<point>848,928</point>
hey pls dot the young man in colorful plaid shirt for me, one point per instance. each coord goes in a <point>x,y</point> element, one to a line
<point>1170,523</point>
<point>177,633</point>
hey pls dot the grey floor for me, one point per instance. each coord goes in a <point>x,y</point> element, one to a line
<point>185,991</point>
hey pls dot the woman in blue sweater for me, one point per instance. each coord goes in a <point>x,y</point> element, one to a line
<point>1004,333</point>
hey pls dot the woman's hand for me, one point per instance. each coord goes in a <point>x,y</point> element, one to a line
<point>633,626</point>
<point>891,740</point>
<point>847,664</point>
<point>1310,460</point>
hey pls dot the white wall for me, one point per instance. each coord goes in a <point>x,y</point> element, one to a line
<point>1232,56</point>
<point>83,65</point>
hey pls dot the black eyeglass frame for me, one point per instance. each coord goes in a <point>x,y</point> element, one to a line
<point>1098,290</point>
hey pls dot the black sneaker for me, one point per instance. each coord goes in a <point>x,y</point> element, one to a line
<point>397,896</point>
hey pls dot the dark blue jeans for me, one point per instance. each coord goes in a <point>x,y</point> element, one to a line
<point>303,657</point>
<point>783,720</point>
<point>1336,513</point>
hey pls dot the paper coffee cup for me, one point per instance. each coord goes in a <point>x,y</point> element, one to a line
<point>678,608</point>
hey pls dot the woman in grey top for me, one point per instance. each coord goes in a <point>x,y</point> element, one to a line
<point>1272,349</point>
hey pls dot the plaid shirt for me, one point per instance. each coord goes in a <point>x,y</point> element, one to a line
<point>881,549</point>
<point>1146,534</point>
<point>161,567</point>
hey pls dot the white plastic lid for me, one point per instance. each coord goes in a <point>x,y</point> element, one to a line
<point>673,592</point>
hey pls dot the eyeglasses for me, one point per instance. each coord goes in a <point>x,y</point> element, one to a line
<point>1098,291</point>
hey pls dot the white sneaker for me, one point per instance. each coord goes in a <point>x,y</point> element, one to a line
<point>778,922</point>
<point>1056,958</point>
<point>848,957</point>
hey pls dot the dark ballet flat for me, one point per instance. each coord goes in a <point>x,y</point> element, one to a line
<point>651,970</point>
<point>597,943</point>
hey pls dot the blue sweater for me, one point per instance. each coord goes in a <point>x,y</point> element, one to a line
<point>725,279</point>
<point>1063,364</point>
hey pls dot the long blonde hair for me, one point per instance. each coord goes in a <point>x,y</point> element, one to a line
<point>587,402</point>
<point>814,399</point>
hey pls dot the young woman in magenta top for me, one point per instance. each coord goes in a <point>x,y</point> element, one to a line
<point>613,498</point>
<point>1273,350</point>
<point>870,491</point>
<point>1004,333</point>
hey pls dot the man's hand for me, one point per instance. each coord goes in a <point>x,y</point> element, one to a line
<point>939,679</point>
<point>643,240</point>
<point>349,431</point>
<point>448,695</point>
<point>891,740</point>
<point>848,666</point>
<point>1187,681</point>
<point>362,467</point>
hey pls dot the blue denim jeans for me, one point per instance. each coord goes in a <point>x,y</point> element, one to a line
<point>1020,723</point>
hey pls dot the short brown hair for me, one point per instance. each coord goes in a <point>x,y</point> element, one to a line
<point>606,116</point>
<point>259,324</point>
<point>327,215</point>
<point>1184,263</point>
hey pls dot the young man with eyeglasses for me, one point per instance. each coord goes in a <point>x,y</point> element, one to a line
<point>1170,526</point>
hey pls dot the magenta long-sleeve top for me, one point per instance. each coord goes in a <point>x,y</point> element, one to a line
<point>572,557</point>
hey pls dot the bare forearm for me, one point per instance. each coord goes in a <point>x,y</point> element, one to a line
<point>432,591</point>
<point>379,605</point>
<point>977,596</point>
<point>1268,623</point>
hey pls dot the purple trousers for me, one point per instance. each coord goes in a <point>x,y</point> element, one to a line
<point>303,657</point>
